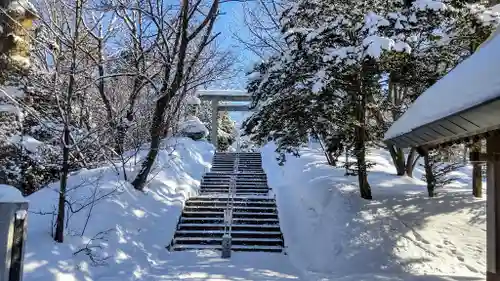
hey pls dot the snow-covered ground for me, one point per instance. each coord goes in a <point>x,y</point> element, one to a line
<point>330,233</point>
<point>333,234</point>
<point>132,229</point>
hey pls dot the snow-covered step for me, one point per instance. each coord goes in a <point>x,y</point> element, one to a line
<point>235,209</point>
<point>228,164</point>
<point>240,157</point>
<point>235,203</point>
<point>205,185</point>
<point>245,248</point>
<point>238,178</point>
<point>237,182</point>
<point>238,191</point>
<point>235,226</point>
<point>224,198</point>
<point>213,220</point>
<point>226,186</point>
<point>242,191</point>
<point>239,175</point>
<point>209,240</point>
<point>234,233</point>
<point>235,214</point>
<point>234,156</point>
<point>256,248</point>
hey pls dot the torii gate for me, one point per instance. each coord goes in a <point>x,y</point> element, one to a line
<point>215,96</point>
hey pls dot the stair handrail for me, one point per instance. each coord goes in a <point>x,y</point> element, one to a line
<point>228,212</point>
<point>232,190</point>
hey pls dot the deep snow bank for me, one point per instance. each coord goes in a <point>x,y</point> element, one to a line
<point>333,234</point>
<point>130,229</point>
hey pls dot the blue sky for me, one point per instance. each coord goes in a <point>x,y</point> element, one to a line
<point>229,23</point>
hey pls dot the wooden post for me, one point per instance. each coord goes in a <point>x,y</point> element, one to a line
<point>493,211</point>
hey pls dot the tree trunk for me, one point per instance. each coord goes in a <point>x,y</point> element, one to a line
<point>59,234</point>
<point>398,158</point>
<point>411,161</point>
<point>331,161</point>
<point>156,130</point>
<point>429,175</point>
<point>477,177</point>
<point>360,147</point>
<point>121,132</point>
<point>477,181</point>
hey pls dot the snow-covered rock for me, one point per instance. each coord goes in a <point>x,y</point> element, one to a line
<point>193,100</point>
<point>193,128</point>
<point>28,142</point>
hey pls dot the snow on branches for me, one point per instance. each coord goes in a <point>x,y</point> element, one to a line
<point>344,61</point>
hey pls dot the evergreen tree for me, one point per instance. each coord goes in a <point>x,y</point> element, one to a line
<point>325,79</point>
<point>439,39</point>
<point>226,134</point>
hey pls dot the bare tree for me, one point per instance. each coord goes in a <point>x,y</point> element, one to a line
<point>261,18</point>
<point>180,40</point>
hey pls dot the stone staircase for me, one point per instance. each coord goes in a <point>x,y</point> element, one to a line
<point>254,224</point>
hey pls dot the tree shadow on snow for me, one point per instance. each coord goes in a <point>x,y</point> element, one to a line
<point>331,230</point>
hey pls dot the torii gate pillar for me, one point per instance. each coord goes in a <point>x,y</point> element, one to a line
<point>215,123</point>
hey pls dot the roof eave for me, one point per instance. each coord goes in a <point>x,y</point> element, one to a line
<point>461,126</point>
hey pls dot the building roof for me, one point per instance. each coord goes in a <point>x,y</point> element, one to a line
<point>464,103</point>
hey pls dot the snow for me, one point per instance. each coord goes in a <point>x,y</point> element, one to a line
<point>193,100</point>
<point>488,16</point>
<point>429,4</point>
<point>254,76</point>
<point>318,84</point>
<point>375,45</point>
<point>135,226</point>
<point>374,21</point>
<point>471,83</point>
<point>10,194</point>
<point>192,124</point>
<point>12,91</point>
<point>19,7</point>
<point>9,108</point>
<point>28,142</point>
<point>332,234</point>
<point>23,62</point>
